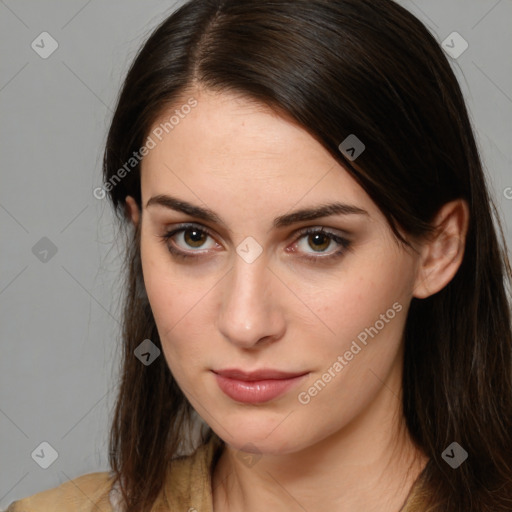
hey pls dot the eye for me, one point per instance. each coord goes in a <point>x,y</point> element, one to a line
<point>191,236</point>
<point>318,239</point>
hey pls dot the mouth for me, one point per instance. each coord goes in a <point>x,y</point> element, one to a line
<point>258,386</point>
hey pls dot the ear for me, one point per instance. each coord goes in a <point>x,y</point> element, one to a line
<point>132,210</point>
<point>442,255</point>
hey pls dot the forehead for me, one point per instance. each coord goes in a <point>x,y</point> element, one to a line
<point>225,125</point>
<point>230,148</point>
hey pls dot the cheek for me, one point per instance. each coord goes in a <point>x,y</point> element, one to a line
<point>375,291</point>
<point>177,301</point>
<point>366,315</point>
<point>352,364</point>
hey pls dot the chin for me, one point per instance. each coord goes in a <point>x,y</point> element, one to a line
<point>259,437</point>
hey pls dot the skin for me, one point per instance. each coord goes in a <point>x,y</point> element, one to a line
<point>347,449</point>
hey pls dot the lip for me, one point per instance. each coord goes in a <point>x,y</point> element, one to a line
<point>258,386</point>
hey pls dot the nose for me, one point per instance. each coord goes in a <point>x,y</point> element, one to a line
<point>250,313</point>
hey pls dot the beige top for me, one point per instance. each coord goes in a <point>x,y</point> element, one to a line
<point>191,489</point>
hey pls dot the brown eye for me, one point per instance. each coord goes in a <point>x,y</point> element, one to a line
<point>186,236</point>
<point>319,241</point>
<point>194,237</point>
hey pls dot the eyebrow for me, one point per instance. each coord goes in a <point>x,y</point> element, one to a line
<point>325,210</point>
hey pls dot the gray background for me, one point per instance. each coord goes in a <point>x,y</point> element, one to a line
<point>59,318</point>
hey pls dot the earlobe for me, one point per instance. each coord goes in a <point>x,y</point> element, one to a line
<point>442,256</point>
<point>132,210</point>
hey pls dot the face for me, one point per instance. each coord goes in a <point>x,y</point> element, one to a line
<point>254,287</point>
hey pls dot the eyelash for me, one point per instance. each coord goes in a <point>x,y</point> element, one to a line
<point>343,242</point>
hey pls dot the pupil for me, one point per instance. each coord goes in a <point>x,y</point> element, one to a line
<point>196,237</point>
<point>320,236</point>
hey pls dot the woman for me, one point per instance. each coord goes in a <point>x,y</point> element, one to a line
<point>313,269</point>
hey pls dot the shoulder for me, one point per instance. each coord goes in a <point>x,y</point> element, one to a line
<point>86,493</point>
<point>187,482</point>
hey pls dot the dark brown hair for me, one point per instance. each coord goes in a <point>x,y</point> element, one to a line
<point>337,67</point>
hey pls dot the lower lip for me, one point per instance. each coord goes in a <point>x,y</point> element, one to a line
<point>256,391</point>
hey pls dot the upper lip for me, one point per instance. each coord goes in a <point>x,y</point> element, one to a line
<point>264,373</point>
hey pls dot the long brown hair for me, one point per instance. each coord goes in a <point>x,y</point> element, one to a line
<point>337,67</point>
